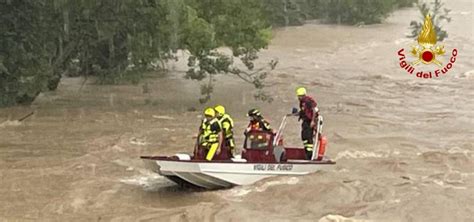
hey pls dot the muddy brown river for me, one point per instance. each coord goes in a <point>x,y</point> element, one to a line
<point>404,146</point>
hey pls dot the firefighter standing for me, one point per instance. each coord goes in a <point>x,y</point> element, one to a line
<point>308,113</point>
<point>227,125</point>
<point>210,133</point>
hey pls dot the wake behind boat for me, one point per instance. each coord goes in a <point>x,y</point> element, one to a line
<point>263,156</point>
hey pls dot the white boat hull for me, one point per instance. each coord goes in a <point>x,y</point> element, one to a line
<point>213,175</point>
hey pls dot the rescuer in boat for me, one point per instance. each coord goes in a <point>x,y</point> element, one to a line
<point>308,113</point>
<point>257,122</point>
<point>210,133</point>
<point>227,125</point>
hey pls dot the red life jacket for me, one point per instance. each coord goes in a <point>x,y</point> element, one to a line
<point>254,125</point>
<point>307,105</point>
<point>259,125</point>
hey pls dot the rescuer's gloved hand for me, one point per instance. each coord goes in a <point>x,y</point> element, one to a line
<point>294,111</point>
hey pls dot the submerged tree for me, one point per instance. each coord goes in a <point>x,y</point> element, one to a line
<point>439,15</point>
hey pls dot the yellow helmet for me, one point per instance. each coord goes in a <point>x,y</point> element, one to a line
<point>300,91</point>
<point>209,112</point>
<point>220,109</point>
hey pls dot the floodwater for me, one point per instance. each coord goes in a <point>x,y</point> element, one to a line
<point>404,146</point>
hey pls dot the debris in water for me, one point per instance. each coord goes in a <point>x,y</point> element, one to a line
<point>405,177</point>
<point>26,116</point>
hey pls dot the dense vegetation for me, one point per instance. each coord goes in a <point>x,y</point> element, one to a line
<point>42,40</point>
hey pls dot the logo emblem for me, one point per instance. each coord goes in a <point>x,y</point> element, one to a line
<point>427,52</point>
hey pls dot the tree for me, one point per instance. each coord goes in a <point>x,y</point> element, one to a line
<point>42,40</point>
<point>27,50</point>
<point>439,15</point>
<point>240,25</point>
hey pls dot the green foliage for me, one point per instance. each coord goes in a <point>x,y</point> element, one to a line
<point>26,54</point>
<point>286,12</point>
<point>439,15</point>
<point>240,25</point>
<point>117,41</point>
<point>128,76</point>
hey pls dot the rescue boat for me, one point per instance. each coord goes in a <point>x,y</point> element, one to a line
<point>263,155</point>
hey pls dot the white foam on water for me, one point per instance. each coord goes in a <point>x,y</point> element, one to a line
<point>396,201</point>
<point>339,218</point>
<point>239,192</point>
<point>242,191</point>
<point>455,150</point>
<point>117,148</point>
<point>10,123</point>
<point>283,181</point>
<point>442,184</point>
<point>163,117</point>
<point>466,75</point>
<point>460,13</point>
<point>351,154</point>
<point>403,41</point>
<point>147,180</point>
<point>139,142</point>
<point>343,170</point>
<point>300,50</point>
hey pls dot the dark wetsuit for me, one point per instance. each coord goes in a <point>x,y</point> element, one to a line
<point>307,114</point>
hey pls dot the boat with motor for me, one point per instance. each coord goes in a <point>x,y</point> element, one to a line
<point>263,155</point>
